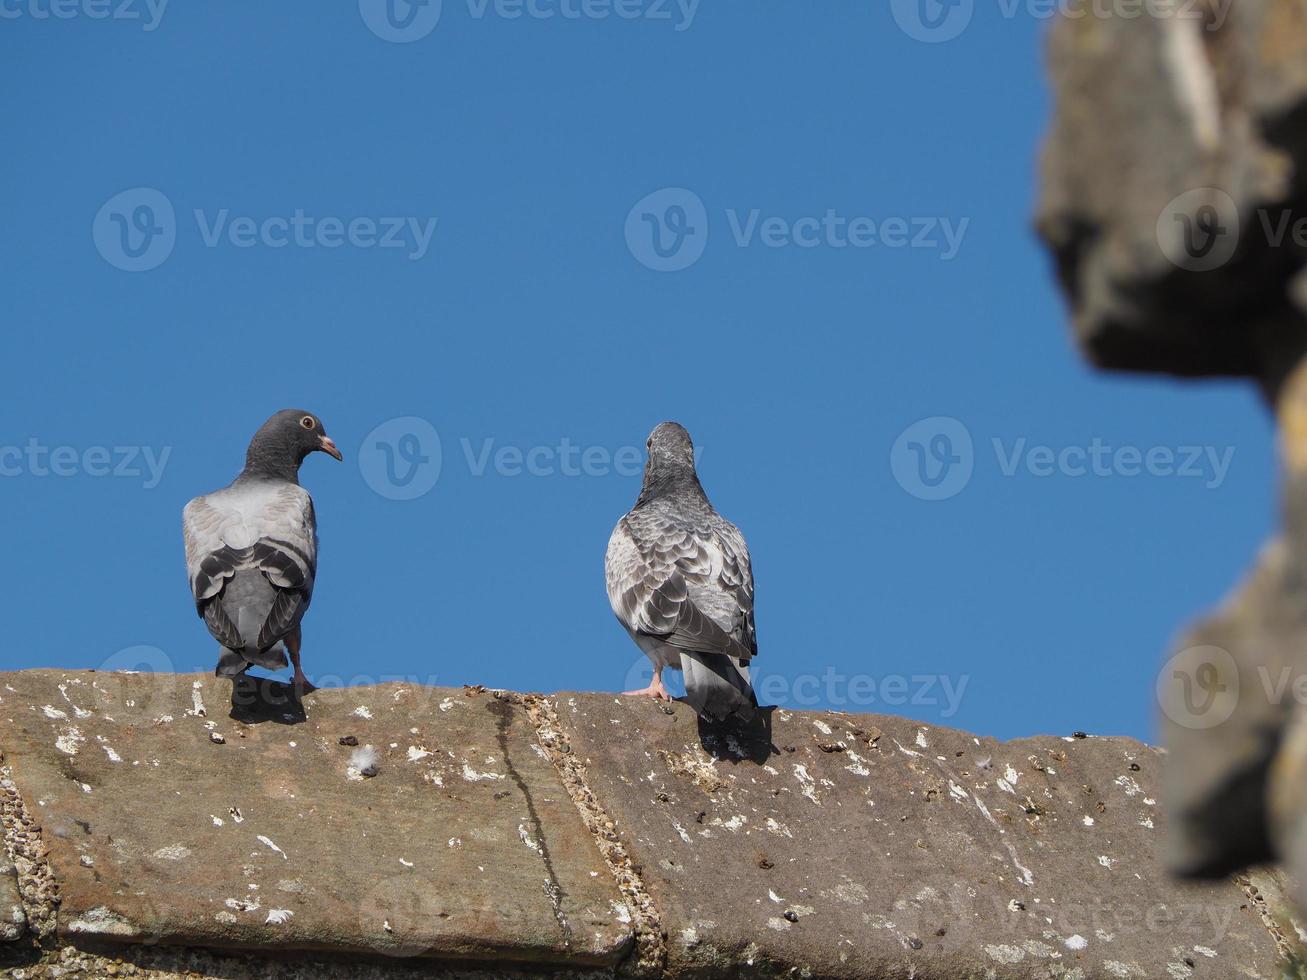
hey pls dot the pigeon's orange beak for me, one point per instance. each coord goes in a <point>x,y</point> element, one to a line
<point>329,447</point>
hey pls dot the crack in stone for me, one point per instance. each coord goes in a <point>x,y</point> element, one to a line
<point>650,955</point>
<point>553,888</point>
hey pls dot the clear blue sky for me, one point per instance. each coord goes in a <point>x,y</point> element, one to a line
<point>536,313</point>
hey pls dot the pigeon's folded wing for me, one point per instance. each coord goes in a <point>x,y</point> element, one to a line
<point>680,586</point>
<point>735,582</point>
<point>269,527</point>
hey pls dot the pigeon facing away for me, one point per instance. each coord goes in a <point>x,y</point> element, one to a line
<point>679,580</point>
<point>252,549</point>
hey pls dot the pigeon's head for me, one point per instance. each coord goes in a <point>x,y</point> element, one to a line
<point>286,439</point>
<point>669,470</point>
<point>670,443</point>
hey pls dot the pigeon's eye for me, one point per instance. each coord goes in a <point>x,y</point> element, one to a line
<point>308,422</point>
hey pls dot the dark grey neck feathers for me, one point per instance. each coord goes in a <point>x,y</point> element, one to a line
<point>273,457</point>
<point>671,478</point>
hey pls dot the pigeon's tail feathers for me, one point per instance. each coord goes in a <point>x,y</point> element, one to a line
<point>250,622</point>
<point>233,663</point>
<point>248,626</point>
<point>244,607</point>
<point>717,686</point>
<point>230,663</point>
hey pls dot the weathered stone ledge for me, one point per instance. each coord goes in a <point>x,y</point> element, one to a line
<point>153,830</point>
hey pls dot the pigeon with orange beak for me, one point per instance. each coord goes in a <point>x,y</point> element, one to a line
<point>252,549</point>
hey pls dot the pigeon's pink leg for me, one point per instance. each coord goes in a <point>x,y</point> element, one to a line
<point>302,685</point>
<point>655,690</point>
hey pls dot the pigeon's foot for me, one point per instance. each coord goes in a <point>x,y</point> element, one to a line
<point>303,685</point>
<point>654,690</point>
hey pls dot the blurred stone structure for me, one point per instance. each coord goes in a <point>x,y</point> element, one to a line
<point>1173,201</point>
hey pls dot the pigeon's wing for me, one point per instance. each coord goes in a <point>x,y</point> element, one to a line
<point>220,625</point>
<point>268,527</point>
<point>733,580</point>
<point>662,581</point>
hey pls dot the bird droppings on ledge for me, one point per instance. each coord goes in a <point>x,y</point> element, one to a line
<point>1012,840</point>
<point>266,842</point>
<point>472,776</point>
<point>276,788</point>
<point>579,825</point>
